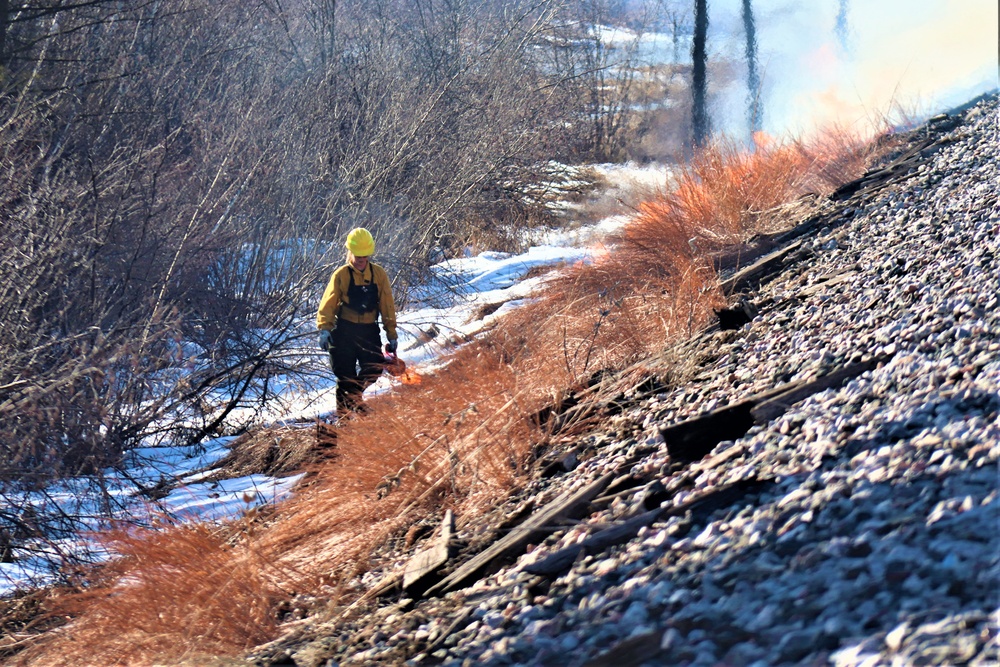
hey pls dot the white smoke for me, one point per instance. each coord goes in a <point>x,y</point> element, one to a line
<point>824,62</point>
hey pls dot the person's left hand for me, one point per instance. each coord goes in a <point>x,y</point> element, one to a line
<point>325,340</point>
<point>390,347</point>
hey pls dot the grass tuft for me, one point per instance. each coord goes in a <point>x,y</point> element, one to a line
<point>171,595</point>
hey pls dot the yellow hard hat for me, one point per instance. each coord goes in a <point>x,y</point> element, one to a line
<point>360,242</point>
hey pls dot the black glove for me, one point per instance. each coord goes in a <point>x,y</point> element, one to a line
<point>326,340</point>
<point>390,347</point>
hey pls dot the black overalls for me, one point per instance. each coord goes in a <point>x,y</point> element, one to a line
<point>356,345</point>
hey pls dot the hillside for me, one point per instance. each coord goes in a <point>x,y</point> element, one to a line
<point>815,486</point>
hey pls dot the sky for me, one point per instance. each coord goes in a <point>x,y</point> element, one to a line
<point>854,62</point>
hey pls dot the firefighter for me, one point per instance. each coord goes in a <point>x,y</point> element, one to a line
<point>358,293</point>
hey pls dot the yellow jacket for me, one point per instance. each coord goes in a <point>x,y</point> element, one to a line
<point>335,296</point>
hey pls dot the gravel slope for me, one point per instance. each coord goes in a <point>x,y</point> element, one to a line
<point>861,527</point>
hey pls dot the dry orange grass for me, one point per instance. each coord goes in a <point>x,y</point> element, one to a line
<point>600,317</point>
<point>726,194</point>
<point>457,439</point>
<point>658,281</point>
<point>176,594</point>
<point>461,438</point>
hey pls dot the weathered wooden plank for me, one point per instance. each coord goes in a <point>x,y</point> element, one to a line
<point>519,536</point>
<point>631,652</point>
<point>562,559</point>
<point>692,439</point>
<point>763,266</point>
<point>775,406</point>
<point>675,482</point>
<point>707,501</point>
<point>426,562</point>
<point>385,586</point>
<point>636,481</point>
<point>881,176</point>
<point>626,483</point>
<point>827,282</point>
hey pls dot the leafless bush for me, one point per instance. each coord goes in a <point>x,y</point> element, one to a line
<point>175,179</point>
<point>143,297</point>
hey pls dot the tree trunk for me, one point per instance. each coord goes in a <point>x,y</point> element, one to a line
<point>841,26</point>
<point>699,74</point>
<point>4,22</point>
<point>754,112</point>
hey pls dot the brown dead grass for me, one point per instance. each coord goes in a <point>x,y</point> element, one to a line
<point>459,439</point>
<point>174,594</point>
<point>275,450</point>
<point>657,283</point>
<point>726,194</point>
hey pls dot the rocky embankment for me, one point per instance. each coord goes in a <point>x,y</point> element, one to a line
<point>857,524</point>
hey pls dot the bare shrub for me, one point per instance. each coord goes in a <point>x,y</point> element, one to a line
<point>192,160</point>
<point>275,451</point>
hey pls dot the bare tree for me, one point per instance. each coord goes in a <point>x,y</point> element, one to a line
<point>26,24</point>
<point>677,24</point>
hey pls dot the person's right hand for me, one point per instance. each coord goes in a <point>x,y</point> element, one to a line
<point>326,340</point>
